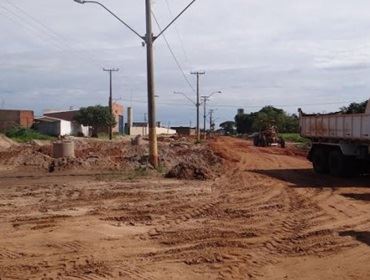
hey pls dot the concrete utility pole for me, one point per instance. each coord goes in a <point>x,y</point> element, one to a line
<point>205,99</point>
<point>110,97</point>
<point>211,127</point>
<point>148,39</point>
<point>198,74</point>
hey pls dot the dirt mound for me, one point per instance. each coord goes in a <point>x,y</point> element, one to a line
<point>6,143</point>
<point>99,154</point>
<point>189,171</point>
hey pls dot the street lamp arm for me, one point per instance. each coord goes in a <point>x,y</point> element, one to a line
<point>113,14</point>
<point>213,93</point>
<point>176,18</point>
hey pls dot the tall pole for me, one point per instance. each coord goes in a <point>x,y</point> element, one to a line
<point>149,38</point>
<point>198,102</point>
<point>211,119</point>
<point>110,103</point>
<point>205,99</point>
<point>153,145</point>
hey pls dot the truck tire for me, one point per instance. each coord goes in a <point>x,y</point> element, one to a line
<point>256,140</point>
<point>282,142</point>
<point>263,141</point>
<point>341,165</point>
<point>320,161</point>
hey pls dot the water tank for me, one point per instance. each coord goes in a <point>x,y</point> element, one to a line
<point>63,149</point>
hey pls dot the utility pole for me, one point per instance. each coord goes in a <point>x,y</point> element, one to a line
<point>111,70</point>
<point>211,125</point>
<point>205,99</point>
<point>148,39</point>
<point>198,74</point>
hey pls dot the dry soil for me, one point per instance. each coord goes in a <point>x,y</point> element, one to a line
<point>266,216</point>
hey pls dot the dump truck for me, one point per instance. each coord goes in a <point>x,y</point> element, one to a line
<point>340,142</point>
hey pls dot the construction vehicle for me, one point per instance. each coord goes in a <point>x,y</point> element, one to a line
<point>268,137</point>
<point>340,142</point>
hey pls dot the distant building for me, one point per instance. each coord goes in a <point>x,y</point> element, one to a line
<point>12,118</point>
<point>69,115</point>
<point>118,111</point>
<point>185,131</point>
<point>59,127</point>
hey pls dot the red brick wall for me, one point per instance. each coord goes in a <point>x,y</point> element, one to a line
<point>11,118</point>
<point>117,111</point>
<point>26,118</point>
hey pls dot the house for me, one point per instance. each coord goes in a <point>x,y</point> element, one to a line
<point>69,115</point>
<point>12,118</point>
<point>59,127</point>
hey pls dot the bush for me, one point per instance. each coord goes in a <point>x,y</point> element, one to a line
<point>294,137</point>
<point>21,134</point>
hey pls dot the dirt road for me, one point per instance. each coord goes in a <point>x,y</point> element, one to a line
<point>267,216</point>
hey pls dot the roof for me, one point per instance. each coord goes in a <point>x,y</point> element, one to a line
<point>48,119</point>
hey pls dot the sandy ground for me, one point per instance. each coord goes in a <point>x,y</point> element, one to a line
<point>268,216</point>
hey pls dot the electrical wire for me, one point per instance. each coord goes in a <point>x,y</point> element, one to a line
<point>177,32</point>
<point>173,55</point>
<point>41,30</point>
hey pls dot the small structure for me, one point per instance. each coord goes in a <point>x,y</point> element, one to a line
<point>185,131</point>
<point>59,127</point>
<point>12,118</point>
<point>62,149</point>
<point>69,115</point>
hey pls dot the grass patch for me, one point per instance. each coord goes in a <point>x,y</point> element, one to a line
<point>294,137</point>
<point>22,135</point>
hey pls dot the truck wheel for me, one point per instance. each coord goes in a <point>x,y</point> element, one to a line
<point>256,141</point>
<point>263,141</point>
<point>282,142</point>
<point>341,165</point>
<point>320,161</point>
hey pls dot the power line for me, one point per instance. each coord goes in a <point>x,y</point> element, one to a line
<point>177,32</point>
<point>240,106</point>
<point>44,32</point>
<point>173,55</point>
<point>60,38</point>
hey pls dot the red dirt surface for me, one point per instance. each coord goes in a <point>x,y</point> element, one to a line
<point>267,216</point>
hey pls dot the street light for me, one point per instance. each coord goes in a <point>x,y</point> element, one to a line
<point>149,39</point>
<point>206,98</point>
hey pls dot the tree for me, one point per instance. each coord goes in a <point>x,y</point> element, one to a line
<point>228,127</point>
<point>354,108</point>
<point>244,123</point>
<point>267,116</point>
<point>96,117</point>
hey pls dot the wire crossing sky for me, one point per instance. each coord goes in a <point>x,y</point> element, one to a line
<point>312,55</point>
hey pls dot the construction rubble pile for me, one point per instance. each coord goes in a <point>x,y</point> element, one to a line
<point>181,157</point>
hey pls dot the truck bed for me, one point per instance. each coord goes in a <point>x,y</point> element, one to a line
<point>349,127</point>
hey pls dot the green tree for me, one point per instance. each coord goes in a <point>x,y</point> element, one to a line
<point>244,123</point>
<point>267,116</point>
<point>97,117</point>
<point>354,108</point>
<point>228,127</point>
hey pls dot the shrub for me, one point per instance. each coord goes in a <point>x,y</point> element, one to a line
<point>21,134</point>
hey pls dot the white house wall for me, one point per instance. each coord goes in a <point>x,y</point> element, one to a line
<point>65,128</point>
<point>134,131</point>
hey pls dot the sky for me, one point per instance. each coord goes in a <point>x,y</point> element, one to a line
<point>311,54</point>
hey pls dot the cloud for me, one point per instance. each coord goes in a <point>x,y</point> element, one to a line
<point>256,52</point>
